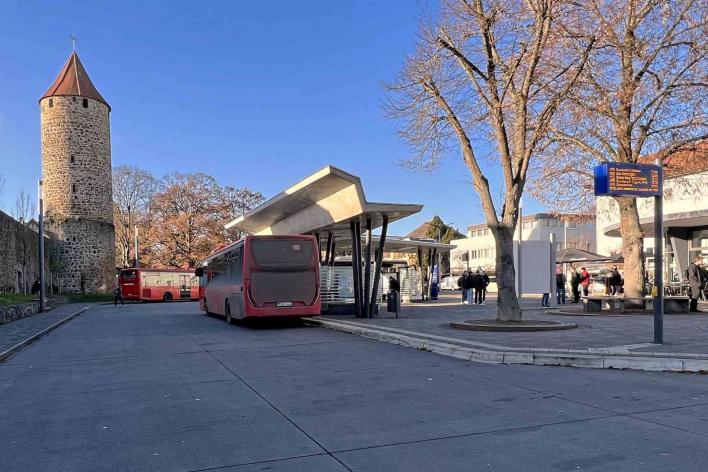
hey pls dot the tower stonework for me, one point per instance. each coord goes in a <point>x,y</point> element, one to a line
<point>77,180</point>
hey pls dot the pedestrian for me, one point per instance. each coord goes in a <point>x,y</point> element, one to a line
<point>478,287</point>
<point>118,296</point>
<point>615,281</point>
<point>575,283</point>
<point>461,283</point>
<point>485,284</point>
<point>545,299</point>
<point>36,287</point>
<point>560,286</point>
<point>697,282</point>
<point>469,288</point>
<point>585,281</point>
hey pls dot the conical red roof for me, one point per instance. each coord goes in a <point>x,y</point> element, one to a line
<point>73,80</point>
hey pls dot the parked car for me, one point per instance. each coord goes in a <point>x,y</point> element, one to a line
<point>449,283</point>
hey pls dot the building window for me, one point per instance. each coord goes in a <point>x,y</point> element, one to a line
<point>72,159</point>
<point>51,102</point>
<point>73,188</point>
<point>73,99</point>
<point>85,102</point>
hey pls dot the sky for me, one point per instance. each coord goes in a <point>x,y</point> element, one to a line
<point>257,94</point>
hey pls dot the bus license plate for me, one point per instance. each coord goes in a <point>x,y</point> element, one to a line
<point>284,304</point>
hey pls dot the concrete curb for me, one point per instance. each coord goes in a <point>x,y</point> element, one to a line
<point>671,362</point>
<point>10,351</point>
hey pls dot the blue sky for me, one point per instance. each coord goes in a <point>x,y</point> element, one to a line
<point>255,93</point>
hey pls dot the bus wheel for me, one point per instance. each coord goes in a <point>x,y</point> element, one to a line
<point>227,310</point>
<point>167,297</point>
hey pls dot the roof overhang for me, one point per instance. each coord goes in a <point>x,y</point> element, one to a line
<point>686,219</point>
<point>401,244</point>
<point>326,201</point>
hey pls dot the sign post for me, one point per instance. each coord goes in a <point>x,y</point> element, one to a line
<point>640,180</point>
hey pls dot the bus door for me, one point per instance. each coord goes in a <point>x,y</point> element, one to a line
<point>185,286</point>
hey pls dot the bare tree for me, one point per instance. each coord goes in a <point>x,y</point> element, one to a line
<point>24,207</point>
<point>642,92</point>
<point>488,74</point>
<point>133,190</point>
<point>2,186</point>
<point>236,202</point>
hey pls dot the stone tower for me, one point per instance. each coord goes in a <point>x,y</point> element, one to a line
<point>76,171</point>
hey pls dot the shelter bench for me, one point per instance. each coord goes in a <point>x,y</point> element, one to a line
<point>672,304</point>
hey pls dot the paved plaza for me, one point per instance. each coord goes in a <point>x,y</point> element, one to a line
<point>164,387</point>
<point>682,333</point>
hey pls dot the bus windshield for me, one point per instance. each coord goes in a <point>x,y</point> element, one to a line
<point>282,253</point>
<point>128,274</point>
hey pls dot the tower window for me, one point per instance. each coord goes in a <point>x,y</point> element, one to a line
<point>85,102</point>
<point>73,99</point>
<point>73,188</point>
<point>51,102</point>
<point>72,159</point>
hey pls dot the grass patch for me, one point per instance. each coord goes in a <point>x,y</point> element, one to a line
<point>15,298</point>
<point>87,297</point>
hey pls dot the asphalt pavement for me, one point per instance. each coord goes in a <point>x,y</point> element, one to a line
<point>153,387</point>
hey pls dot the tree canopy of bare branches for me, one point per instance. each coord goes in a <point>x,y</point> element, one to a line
<point>133,190</point>
<point>25,207</point>
<point>642,92</point>
<point>488,72</point>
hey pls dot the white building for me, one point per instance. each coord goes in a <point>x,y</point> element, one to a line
<point>478,248</point>
<point>685,214</point>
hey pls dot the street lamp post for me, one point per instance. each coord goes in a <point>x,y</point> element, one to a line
<point>42,293</point>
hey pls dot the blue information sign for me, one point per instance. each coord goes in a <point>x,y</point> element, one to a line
<point>636,180</point>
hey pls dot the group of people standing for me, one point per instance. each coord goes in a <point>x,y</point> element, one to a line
<point>578,280</point>
<point>474,287</point>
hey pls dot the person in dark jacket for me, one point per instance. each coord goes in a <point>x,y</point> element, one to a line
<point>469,288</point>
<point>118,296</point>
<point>478,287</point>
<point>575,284</point>
<point>696,281</point>
<point>615,281</point>
<point>485,284</point>
<point>35,287</point>
<point>461,283</point>
<point>560,286</point>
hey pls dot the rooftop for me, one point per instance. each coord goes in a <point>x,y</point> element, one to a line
<point>689,159</point>
<point>74,81</point>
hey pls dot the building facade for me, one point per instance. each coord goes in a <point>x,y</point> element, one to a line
<point>685,214</point>
<point>77,179</point>
<point>478,249</point>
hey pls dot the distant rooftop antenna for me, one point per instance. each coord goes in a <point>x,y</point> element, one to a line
<point>73,41</point>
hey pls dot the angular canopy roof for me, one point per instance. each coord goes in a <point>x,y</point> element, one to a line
<point>73,80</point>
<point>578,255</point>
<point>326,201</point>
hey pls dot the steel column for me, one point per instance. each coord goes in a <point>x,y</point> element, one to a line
<point>377,266</point>
<point>658,305</point>
<point>327,250</point>
<point>356,267</point>
<point>367,269</point>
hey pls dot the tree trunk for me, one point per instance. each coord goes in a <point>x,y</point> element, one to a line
<point>508,308</point>
<point>632,247</point>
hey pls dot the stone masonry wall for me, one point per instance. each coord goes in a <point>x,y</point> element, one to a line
<point>19,253</point>
<point>76,171</point>
<point>82,187</point>
<point>86,251</point>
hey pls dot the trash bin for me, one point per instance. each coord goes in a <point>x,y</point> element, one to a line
<point>392,302</point>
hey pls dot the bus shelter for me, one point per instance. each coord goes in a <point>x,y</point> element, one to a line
<point>331,205</point>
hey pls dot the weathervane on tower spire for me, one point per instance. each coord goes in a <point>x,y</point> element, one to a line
<point>73,41</point>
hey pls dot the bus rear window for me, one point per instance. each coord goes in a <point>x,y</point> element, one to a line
<point>282,253</point>
<point>128,274</point>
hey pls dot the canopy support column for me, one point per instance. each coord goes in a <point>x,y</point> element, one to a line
<point>332,252</point>
<point>377,267</point>
<point>356,266</point>
<point>367,269</point>
<point>327,249</point>
<point>420,272</point>
<point>319,247</point>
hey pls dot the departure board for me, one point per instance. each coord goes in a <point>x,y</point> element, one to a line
<point>638,180</point>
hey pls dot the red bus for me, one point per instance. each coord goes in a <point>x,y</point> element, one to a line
<point>158,284</point>
<point>261,276</point>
